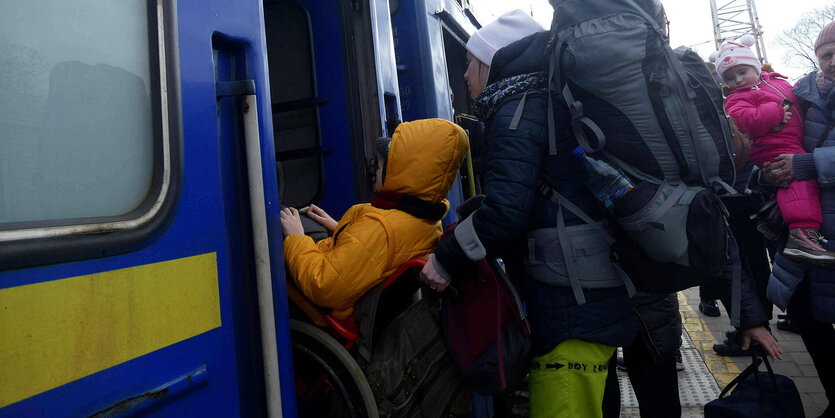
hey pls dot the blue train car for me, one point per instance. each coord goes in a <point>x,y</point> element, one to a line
<point>145,150</point>
<point>430,39</point>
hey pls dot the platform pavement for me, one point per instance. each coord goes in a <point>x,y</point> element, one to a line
<point>797,364</point>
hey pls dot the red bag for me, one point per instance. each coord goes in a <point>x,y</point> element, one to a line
<point>486,329</point>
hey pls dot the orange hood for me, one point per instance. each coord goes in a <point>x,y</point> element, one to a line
<point>424,158</point>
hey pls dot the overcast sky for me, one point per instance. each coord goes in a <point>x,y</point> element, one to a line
<point>690,22</point>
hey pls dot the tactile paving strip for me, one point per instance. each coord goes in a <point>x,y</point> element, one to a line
<point>696,385</point>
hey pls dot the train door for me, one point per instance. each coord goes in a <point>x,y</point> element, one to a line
<point>129,223</point>
<point>332,95</point>
<point>333,91</point>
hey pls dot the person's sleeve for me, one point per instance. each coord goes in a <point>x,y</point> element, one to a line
<point>335,273</point>
<point>754,119</point>
<point>513,166</point>
<point>751,308</point>
<point>824,165</point>
<point>803,166</point>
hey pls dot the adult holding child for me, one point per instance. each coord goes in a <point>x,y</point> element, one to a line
<point>809,292</point>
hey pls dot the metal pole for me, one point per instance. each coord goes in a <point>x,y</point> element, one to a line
<point>263,276</point>
<point>717,41</point>
<point>734,19</point>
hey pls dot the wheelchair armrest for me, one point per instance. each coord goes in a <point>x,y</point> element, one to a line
<point>341,329</point>
<point>412,263</point>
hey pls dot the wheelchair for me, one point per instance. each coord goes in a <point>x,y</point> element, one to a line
<point>328,378</point>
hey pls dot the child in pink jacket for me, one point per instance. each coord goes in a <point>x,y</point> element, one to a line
<point>762,105</point>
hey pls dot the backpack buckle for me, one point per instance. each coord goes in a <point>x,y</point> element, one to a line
<point>576,110</point>
<point>544,189</point>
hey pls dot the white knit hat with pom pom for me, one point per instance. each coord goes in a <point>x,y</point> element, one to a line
<point>733,53</point>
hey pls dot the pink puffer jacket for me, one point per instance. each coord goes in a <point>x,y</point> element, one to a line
<point>757,111</point>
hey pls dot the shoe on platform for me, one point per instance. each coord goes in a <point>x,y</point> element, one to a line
<point>732,347</point>
<point>729,335</point>
<point>804,244</point>
<point>787,325</point>
<point>709,307</point>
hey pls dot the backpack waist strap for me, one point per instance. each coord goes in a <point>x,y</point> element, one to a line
<point>589,264</point>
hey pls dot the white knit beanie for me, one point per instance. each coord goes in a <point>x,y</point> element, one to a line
<point>733,53</point>
<point>508,28</point>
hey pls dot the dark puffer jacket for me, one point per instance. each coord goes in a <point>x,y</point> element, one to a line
<point>819,163</point>
<point>515,161</point>
<point>660,323</point>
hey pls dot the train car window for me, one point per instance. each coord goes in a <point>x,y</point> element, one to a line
<point>89,127</point>
<point>294,103</point>
<point>75,109</point>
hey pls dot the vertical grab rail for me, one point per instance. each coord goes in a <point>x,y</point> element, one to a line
<point>261,247</point>
<point>263,275</point>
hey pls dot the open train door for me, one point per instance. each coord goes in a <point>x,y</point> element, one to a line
<point>333,92</point>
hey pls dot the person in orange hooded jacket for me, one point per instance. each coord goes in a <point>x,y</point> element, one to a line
<point>416,170</point>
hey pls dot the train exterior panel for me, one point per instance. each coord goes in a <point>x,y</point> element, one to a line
<point>152,307</point>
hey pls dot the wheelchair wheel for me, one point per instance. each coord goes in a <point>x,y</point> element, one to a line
<point>329,382</point>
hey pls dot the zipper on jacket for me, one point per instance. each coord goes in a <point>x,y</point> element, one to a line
<point>781,94</point>
<point>649,333</point>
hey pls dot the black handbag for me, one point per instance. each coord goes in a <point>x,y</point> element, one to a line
<point>757,394</point>
<point>769,220</point>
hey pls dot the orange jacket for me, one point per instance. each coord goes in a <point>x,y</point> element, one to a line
<point>369,242</point>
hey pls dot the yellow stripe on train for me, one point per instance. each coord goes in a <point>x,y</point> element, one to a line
<point>55,332</point>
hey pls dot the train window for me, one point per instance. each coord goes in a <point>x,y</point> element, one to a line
<point>75,112</point>
<point>86,142</point>
<point>294,103</point>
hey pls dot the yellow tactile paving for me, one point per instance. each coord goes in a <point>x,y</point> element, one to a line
<point>722,368</point>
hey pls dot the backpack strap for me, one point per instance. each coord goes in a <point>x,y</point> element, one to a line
<point>709,172</point>
<point>569,260</point>
<point>739,378</point>
<point>568,257</point>
<point>630,169</point>
<point>554,80</point>
<point>575,108</point>
<point>653,217</point>
<point>562,201</point>
<point>517,116</point>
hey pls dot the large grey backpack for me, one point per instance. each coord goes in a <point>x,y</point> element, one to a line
<point>635,105</point>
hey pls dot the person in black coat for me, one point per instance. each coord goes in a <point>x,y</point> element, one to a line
<point>516,160</point>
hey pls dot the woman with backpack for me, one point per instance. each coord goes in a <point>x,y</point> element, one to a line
<point>809,292</point>
<point>572,342</point>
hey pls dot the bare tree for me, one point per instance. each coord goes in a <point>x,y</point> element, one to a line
<point>800,39</point>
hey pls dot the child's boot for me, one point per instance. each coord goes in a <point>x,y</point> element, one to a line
<point>804,244</point>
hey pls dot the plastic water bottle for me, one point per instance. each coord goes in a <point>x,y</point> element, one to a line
<point>608,183</point>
